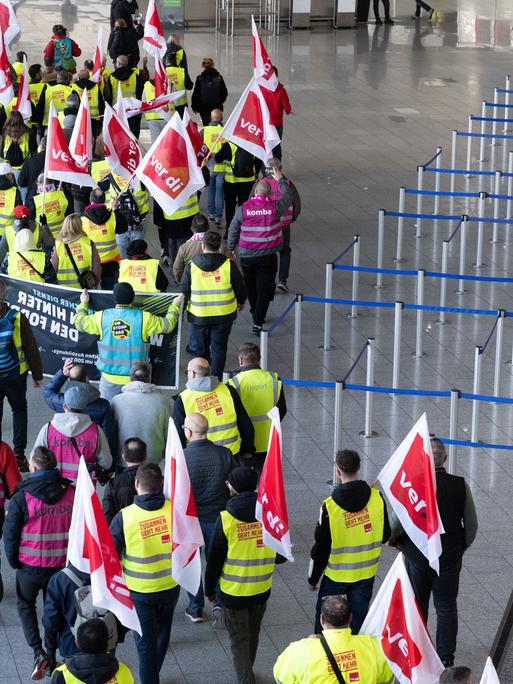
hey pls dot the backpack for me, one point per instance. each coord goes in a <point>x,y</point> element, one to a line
<point>63,54</point>
<point>86,610</point>
<point>210,91</point>
<point>243,164</point>
<point>128,208</point>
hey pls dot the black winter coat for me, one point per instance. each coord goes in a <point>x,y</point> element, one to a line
<point>126,42</point>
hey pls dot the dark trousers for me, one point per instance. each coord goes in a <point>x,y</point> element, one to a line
<point>198,602</point>
<point>211,342</point>
<point>243,627</point>
<point>277,149</point>
<point>235,194</point>
<point>155,612</point>
<point>259,276</point>
<point>134,124</point>
<point>422,5</point>
<point>358,594</point>
<point>444,587</point>
<point>283,272</point>
<point>29,582</point>
<point>110,272</point>
<point>16,392</point>
<point>174,245</point>
<point>386,7</point>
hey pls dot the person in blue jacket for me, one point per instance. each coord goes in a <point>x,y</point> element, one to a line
<point>97,409</point>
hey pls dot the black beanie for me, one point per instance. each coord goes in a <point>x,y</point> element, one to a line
<point>123,293</point>
<point>137,247</point>
<point>243,479</point>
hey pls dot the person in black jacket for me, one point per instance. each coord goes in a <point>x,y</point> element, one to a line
<point>243,612</point>
<point>32,167</point>
<point>125,41</point>
<point>209,466</point>
<point>459,519</point>
<point>209,92</point>
<point>208,334</point>
<point>123,9</point>
<point>120,491</point>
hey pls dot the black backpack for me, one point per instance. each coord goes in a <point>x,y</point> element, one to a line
<point>128,208</point>
<point>210,91</point>
<point>244,164</point>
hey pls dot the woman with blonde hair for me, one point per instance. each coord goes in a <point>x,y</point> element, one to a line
<point>75,257</point>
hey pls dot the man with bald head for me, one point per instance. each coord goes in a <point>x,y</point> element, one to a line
<point>256,228</point>
<point>228,422</point>
<point>209,466</point>
<point>132,85</point>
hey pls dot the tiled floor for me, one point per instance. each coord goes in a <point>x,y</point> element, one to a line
<point>369,105</point>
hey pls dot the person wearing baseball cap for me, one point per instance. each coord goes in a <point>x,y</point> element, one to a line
<point>142,271</point>
<point>9,195</point>
<point>243,566</point>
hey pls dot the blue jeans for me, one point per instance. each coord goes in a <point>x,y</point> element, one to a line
<point>358,594</point>
<point>198,602</point>
<point>155,612</point>
<point>215,200</point>
<point>108,390</point>
<point>124,240</point>
<point>211,342</point>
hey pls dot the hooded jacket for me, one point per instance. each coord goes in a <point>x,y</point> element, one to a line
<point>148,502</point>
<point>29,344</point>
<point>119,492</point>
<point>123,9</point>
<point>89,668</point>
<point>193,247</point>
<point>353,497</point>
<point>123,74</point>
<point>141,409</point>
<point>210,261</point>
<point>97,409</point>
<point>198,104</point>
<point>46,485</point>
<point>126,42</point>
<point>242,507</point>
<point>208,384</point>
<point>98,213</point>
<point>71,425</point>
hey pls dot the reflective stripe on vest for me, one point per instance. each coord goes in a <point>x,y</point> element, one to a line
<point>217,407</point>
<point>259,391</point>
<point>210,134</point>
<point>157,114</point>
<point>211,292</point>
<point>99,171</point>
<point>228,175</point>
<point>286,217</point>
<point>12,356</point>
<point>7,204</point>
<point>147,556</point>
<point>82,252</point>
<point>54,210</point>
<point>249,565</point>
<point>189,208</point>
<point>23,143</point>
<point>140,273</point>
<point>260,228</point>
<point>122,676</point>
<point>44,537</point>
<point>59,93</point>
<point>142,199</point>
<point>35,92</point>
<point>18,267</point>
<point>65,453</point>
<point>356,539</point>
<point>176,76</point>
<point>92,97</point>
<point>128,87</point>
<point>104,237</point>
<point>121,343</point>
<point>10,236</point>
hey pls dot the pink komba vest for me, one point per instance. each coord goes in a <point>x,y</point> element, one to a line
<point>260,229</point>
<point>286,217</point>
<point>44,537</point>
<point>66,454</point>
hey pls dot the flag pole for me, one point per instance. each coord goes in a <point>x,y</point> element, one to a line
<point>45,170</point>
<point>124,189</point>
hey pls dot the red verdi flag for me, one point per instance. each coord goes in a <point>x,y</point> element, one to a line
<point>170,170</point>
<point>161,79</point>
<point>121,148</point>
<point>9,27</point>
<point>263,69</point>
<point>59,162</point>
<point>271,505</point>
<point>395,620</point>
<point>81,142</point>
<point>91,549</point>
<point>408,480</point>
<point>154,41</point>
<point>195,136</point>
<point>6,83</point>
<point>98,58</point>
<point>248,125</point>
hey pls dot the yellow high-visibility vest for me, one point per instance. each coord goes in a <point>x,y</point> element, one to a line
<point>229,164</point>
<point>19,268</point>
<point>93,98</point>
<point>211,292</point>
<point>104,237</point>
<point>59,93</point>
<point>122,676</point>
<point>210,135</point>
<point>36,90</point>
<point>7,204</point>
<point>218,408</point>
<point>140,273</point>
<point>54,209</point>
<point>259,391</point>
<point>249,565</point>
<point>188,208</point>
<point>147,555</point>
<point>149,94</point>
<point>128,87</point>
<point>82,252</point>
<point>356,539</point>
<point>18,68</point>
<point>176,76</point>
<point>10,236</point>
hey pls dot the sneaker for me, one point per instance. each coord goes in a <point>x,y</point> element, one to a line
<point>165,261</point>
<point>378,21</point>
<point>194,614</point>
<point>282,287</point>
<point>390,22</point>
<point>218,617</point>
<point>256,330</point>
<point>218,222</point>
<point>41,662</point>
<point>52,664</point>
<point>22,462</point>
<point>211,217</point>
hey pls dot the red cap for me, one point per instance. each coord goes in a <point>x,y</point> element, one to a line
<point>21,211</point>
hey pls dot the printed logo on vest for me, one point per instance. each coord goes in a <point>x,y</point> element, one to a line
<point>209,401</point>
<point>346,661</point>
<point>154,527</point>
<point>249,531</point>
<point>359,518</point>
<point>120,329</point>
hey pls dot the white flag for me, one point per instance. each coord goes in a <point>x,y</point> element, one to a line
<point>409,482</point>
<point>395,620</point>
<point>9,27</point>
<point>6,82</point>
<point>154,41</point>
<point>96,74</point>
<point>91,549</point>
<point>81,141</point>
<point>489,673</point>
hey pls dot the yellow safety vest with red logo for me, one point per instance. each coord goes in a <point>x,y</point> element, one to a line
<point>54,209</point>
<point>210,136</point>
<point>140,273</point>
<point>176,76</point>
<point>82,252</point>
<point>356,539</point>
<point>128,87</point>
<point>36,90</point>
<point>18,267</point>
<point>92,97</point>
<point>211,291</point>
<point>218,408</point>
<point>149,94</point>
<point>59,93</point>
<point>10,236</point>
<point>7,204</point>
<point>104,237</point>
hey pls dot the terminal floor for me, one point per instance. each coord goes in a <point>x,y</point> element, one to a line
<point>370,105</point>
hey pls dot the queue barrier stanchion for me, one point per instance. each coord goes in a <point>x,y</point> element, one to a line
<point>506,99</point>
<point>337,432</point>
<point>509,191</point>
<point>381,246</point>
<point>499,343</point>
<point>463,253</point>
<point>443,282</point>
<point>368,432</point>
<point>454,142</point>
<point>419,351</point>
<point>264,348</point>
<point>453,430</point>
<point>398,311</point>
<point>469,158</point>
<point>400,227</point>
<point>420,187</point>
<point>494,124</point>
<point>356,273</point>
<point>436,207</point>
<point>476,390</point>
<point>496,207</point>
<point>479,250</point>
<point>297,336</point>
<point>328,290</point>
<point>483,131</point>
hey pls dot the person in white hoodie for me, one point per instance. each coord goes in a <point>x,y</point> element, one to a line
<point>141,410</point>
<point>73,434</point>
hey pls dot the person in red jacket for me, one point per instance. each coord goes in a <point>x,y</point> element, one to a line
<point>62,49</point>
<point>277,103</point>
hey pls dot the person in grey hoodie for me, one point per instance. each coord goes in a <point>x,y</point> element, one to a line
<point>141,410</point>
<point>72,433</point>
